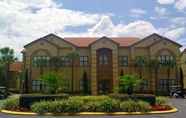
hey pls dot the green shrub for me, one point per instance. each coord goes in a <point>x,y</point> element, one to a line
<point>41,107</point>
<point>162,101</point>
<point>10,103</point>
<point>104,105</point>
<point>134,106</point>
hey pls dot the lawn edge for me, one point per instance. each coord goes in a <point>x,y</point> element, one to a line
<point>173,110</point>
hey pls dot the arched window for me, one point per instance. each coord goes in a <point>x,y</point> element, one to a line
<point>40,58</point>
<point>165,56</point>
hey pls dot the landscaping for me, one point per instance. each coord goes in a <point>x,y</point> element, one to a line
<point>76,104</point>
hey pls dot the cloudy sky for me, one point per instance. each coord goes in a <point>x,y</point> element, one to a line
<point>22,21</point>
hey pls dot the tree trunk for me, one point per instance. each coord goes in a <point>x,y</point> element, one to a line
<point>72,81</point>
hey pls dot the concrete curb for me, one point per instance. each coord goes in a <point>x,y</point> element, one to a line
<point>173,110</point>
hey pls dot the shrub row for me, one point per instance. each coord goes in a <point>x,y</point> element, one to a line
<point>26,100</point>
<point>10,103</point>
<point>89,104</point>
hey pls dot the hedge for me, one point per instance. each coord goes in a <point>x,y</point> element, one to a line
<point>26,100</point>
<point>89,104</point>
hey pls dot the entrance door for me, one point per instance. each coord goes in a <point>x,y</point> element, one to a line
<point>104,70</point>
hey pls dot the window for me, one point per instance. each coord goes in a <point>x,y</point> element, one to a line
<point>163,59</point>
<point>39,61</point>
<point>123,60</point>
<point>65,61</point>
<point>163,84</point>
<point>83,60</point>
<point>103,59</point>
<point>140,60</point>
<point>145,85</point>
<point>37,85</point>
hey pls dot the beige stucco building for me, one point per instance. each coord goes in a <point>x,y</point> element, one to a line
<point>102,60</point>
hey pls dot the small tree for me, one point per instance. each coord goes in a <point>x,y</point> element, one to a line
<point>52,81</point>
<point>73,56</point>
<point>129,82</point>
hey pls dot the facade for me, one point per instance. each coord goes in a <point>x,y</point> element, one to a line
<point>15,70</point>
<point>102,60</point>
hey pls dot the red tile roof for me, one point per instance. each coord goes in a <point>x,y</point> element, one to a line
<point>86,41</point>
<point>16,67</point>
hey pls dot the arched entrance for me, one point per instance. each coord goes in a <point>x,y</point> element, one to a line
<point>104,71</point>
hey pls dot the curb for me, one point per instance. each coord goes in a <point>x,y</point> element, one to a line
<point>173,110</point>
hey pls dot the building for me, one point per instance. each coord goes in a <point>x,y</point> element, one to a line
<point>102,60</point>
<point>15,70</point>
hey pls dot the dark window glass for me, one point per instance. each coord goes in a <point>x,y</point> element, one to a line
<point>39,61</point>
<point>123,60</point>
<point>163,59</point>
<point>83,60</point>
<point>65,61</point>
<point>103,59</point>
<point>37,85</point>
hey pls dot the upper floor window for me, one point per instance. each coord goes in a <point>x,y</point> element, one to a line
<point>140,60</point>
<point>103,59</point>
<point>65,61</point>
<point>163,59</point>
<point>123,60</point>
<point>39,61</point>
<point>83,60</point>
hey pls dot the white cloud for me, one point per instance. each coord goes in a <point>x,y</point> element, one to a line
<point>133,29</point>
<point>175,33</point>
<point>166,1</point>
<point>137,12</point>
<point>22,21</point>
<point>180,4</point>
<point>161,11</point>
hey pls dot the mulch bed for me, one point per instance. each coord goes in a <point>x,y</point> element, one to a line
<point>153,108</point>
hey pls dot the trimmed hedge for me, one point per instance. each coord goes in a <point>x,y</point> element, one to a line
<point>10,103</point>
<point>26,100</point>
<point>89,104</point>
<point>161,100</point>
<point>151,99</point>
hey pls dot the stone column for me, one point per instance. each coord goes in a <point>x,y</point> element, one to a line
<point>115,71</point>
<point>93,73</point>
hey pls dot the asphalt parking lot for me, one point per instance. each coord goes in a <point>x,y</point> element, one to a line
<point>179,103</point>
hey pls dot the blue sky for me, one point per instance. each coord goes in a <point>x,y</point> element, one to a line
<point>22,21</point>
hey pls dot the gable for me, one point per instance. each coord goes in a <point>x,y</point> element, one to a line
<point>153,39</point>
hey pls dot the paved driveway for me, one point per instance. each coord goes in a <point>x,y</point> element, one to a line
<point>179,103</point>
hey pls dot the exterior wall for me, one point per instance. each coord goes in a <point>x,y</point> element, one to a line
<point>148,48</point>
<point>103,43</point>
<point>183,65</point>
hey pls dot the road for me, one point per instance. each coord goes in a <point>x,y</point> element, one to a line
<point>179,103</point>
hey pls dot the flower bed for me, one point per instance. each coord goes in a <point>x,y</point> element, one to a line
<point>78,104</point>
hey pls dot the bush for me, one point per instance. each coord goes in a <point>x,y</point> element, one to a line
<point>89,104</point>
<point>161,101</point>
<point>151,99</point>
<point>26,100</point>
<point>10,103</point>
<point>134,106</point>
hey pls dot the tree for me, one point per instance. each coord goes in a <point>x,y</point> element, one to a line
<point>55,62</point>
<point>41,63</point>
<point>153,65</point>
<point>129,82</point>
<point>72,56</point>
<point>52,81</point>
<point>6,57</point>
<point>85,84</point>
<point>140,63</point>
<point>170,64</point>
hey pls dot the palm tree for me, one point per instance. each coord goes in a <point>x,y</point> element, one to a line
<point>72,56</point>
<point>153,65</point>
<point>140,63</point>
<point>55,62</point>
<point>6,57</point>
<point>169,65</point>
